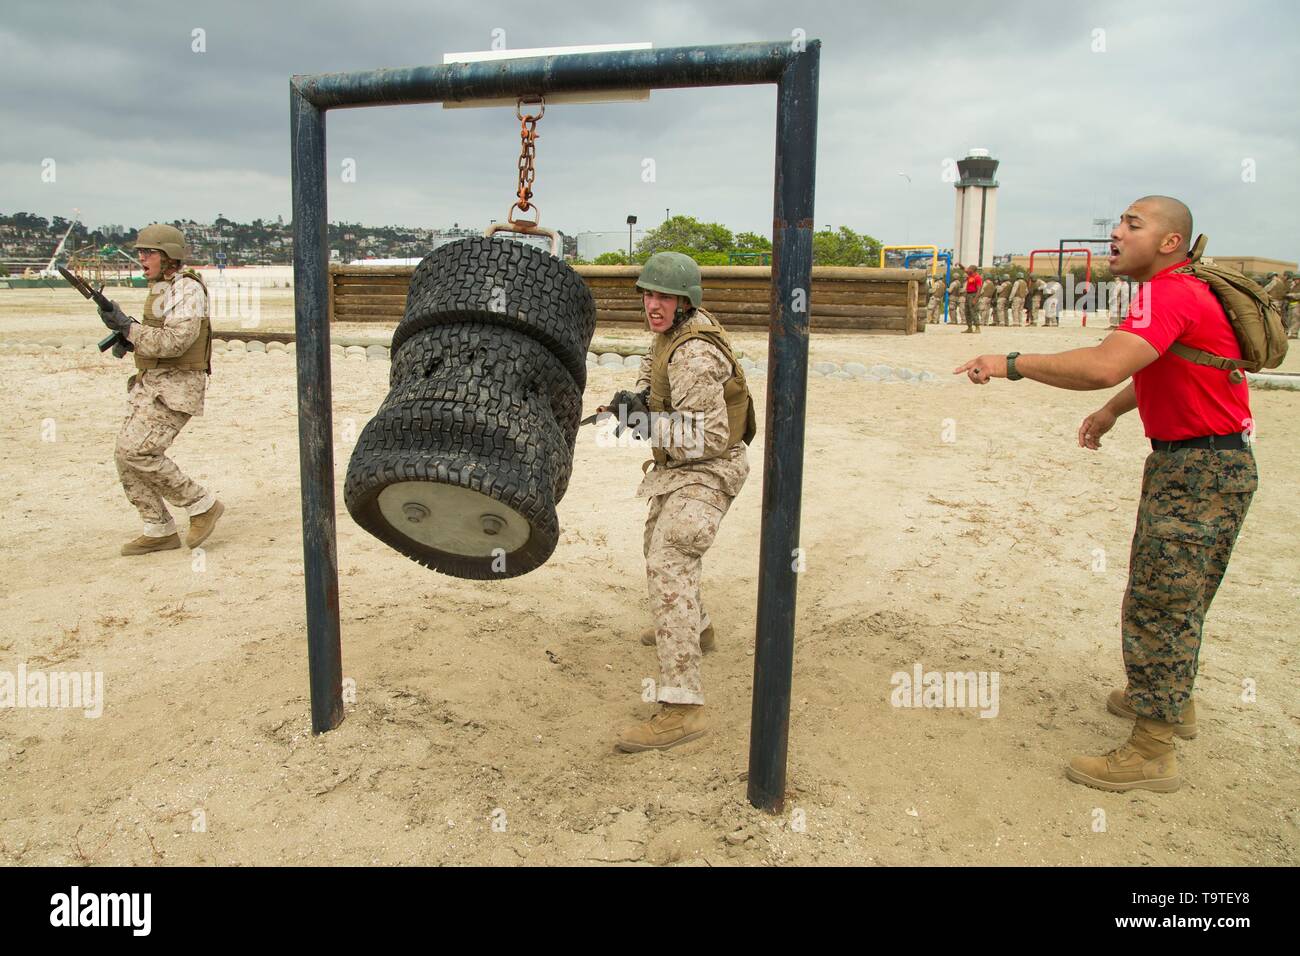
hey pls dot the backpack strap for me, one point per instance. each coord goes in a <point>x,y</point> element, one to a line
<point>1198,247</point>
<point>1200,357</point>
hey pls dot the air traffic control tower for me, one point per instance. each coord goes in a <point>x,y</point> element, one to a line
<point>977,209</point>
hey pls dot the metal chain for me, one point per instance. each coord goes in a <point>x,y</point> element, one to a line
<point>527,155</point>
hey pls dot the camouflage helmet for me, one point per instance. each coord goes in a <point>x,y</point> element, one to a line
<point>165,238</point>
<point>673,273</point>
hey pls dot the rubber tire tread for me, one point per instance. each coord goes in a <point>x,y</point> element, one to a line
<point>476,363</point>
<point>505,283</point>
<point>506,453</point>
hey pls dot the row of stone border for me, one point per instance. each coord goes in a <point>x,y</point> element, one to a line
<point>372,351</point>
<point>848,371</point>
<point>612,360</point>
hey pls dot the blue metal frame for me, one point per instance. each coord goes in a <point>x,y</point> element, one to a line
<point>947,275</point>
<point>793,67</point>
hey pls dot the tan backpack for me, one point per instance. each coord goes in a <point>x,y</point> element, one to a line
<point>1256,318</point>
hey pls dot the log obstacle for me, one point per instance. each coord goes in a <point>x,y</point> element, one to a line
<point>842,299</point>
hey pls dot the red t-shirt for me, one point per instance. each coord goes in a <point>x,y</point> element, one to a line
<point>1176,398</point>
<point>973,283</point>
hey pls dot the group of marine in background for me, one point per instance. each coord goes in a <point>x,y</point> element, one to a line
<point>1026,300</point>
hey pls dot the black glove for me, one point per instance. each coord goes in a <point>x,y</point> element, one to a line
<point>116,319</point>
<point>625,405</point>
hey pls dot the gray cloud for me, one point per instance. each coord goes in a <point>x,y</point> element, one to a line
<point>144,128</point>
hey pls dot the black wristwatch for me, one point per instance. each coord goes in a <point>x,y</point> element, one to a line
<point>1012,374</point>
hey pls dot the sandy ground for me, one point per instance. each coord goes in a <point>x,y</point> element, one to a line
<point>484,714</point>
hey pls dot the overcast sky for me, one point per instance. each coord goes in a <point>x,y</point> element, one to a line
<point>1194,99</point>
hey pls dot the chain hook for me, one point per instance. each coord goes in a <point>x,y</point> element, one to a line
<point>527,157</point>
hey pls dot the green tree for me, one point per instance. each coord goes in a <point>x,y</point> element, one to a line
<point>616,258</point>
<point>752,242</point>
<point>845,248</point>
<point>685,234</point>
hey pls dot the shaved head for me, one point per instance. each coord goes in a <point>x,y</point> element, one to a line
<point>1172,215</point>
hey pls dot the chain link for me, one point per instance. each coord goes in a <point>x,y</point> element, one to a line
<point>527,157</point>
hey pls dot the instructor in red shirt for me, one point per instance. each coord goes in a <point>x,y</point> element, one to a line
<point>1196,486</point>
<point>970,301</point>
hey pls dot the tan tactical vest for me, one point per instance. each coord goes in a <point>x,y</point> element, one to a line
<point>199,355</point>
<point>740,406</point>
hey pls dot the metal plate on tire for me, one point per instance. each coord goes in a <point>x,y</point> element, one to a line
<point>453,519</point>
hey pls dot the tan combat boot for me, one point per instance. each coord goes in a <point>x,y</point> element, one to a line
<point>147,545</point>
<point>1145,762</point>
<point>674,724</point>
<point>1117,703</point>
<point>707,642</point>
<point>201,525</point>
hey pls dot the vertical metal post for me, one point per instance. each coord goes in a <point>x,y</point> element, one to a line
<point>796,74</point>
<point>315,416</point>
<point>787,391</point>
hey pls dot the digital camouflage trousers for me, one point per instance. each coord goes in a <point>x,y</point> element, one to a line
<point>1192,507</point>
<point>679,529</point>
<point>148,475</point>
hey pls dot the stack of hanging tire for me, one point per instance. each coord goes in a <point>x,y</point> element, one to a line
<point>462,466</point>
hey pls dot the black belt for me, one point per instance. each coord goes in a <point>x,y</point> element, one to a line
<point>1233,442</point>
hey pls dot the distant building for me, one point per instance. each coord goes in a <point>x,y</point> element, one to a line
<point>1045,263</point>
<point>977,209</point>
<point>1253,265</point>
<point>593,244</point>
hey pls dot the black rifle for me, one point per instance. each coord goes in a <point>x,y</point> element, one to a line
<point>97,296</point>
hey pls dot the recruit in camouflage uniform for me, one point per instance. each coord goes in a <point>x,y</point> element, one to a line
<point>701,419</point>
<point>173,349</point>
<point>1120,296</point>
<point>1293,309</point>
<point>934,304</point>
<point>1019,290</point>
<point>1000,307</point>
<point>956,295</point>
<point>1052,304</point>
<point>1036,288</point>
<point>1277,288</point>
<point>986,294</point>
